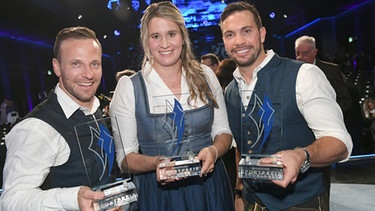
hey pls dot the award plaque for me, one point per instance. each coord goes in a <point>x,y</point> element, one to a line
<point>117,194</point>
<point>251,167</point>
<point>97,150</point>
<point>173,168</point>
<point>260,135</point>
<point>176,158</point>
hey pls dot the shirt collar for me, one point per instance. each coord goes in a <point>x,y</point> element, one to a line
<point>69,106</point>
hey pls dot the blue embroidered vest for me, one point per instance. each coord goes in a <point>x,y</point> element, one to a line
<point>272,122</point>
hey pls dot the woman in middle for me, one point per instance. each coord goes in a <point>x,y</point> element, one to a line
<point>174,106</point>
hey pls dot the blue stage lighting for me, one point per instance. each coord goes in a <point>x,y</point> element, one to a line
<point>116,32</point>
<point>272,15</point>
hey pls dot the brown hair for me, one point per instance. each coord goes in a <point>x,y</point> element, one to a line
<point>225,71</point>
<point>213,57</point>
<point>238,7</point>
<point>79,32</point>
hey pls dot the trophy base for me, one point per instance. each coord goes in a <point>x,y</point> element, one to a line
<point>255,169</point>
<point>173,168</point>
<point>116,194</point>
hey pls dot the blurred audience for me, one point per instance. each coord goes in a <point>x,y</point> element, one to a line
<point>211,60</point>
<point>369,114</point>
<point>353,119</point>
<point>225,71</point>
<point>7,107</point>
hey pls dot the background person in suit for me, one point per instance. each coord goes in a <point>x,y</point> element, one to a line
<point>305,49</point>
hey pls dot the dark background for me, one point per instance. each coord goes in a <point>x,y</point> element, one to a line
<point>28,29</point>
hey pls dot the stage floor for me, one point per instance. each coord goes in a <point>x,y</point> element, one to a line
<point>352,197</point>
<point>353,185</point>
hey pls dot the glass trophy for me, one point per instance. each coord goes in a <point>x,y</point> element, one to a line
<point>261,126</point>
<point>97,150</point>
<point>177,160</point>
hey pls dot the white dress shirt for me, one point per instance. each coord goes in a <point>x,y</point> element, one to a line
<point>123,106</point>
<point>33,148</point>
<point>316,100</point>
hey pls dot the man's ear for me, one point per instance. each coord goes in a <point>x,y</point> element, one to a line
<point>56,67</point>
<point>263,33</point>
<point>315,52</point>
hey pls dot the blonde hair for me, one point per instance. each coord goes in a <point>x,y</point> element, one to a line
<point>195,77</point>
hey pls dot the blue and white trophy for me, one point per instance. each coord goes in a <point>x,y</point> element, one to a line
<point>261,126</point>
<point>177,159</point>
<point>97,150</point>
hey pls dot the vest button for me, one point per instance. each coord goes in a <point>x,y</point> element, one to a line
<point>243,115</point>
<point>249,142</point>
<point>250,151</point>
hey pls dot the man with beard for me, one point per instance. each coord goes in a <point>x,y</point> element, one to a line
<point>305,127</point>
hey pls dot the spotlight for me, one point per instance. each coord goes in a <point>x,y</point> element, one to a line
<point>272,15</point>
<point>135,5</point>
<point>115,3</point>
<point>116,32</point>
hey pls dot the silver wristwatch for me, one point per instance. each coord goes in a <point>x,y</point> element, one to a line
<point>307,163</point>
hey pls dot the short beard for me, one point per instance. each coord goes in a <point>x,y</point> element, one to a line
<point>248,62</point>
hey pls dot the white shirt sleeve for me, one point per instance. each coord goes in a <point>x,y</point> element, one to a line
<point>221,123</point>
<point>316,100</point>
<point>33,148</point>
<point>124,124</point>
